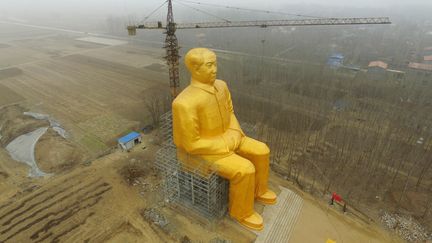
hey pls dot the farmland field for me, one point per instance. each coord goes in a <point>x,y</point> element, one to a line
<point>94,90</point>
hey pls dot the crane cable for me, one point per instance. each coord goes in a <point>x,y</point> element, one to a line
<point>154,11</point>
<point>249,9</point>
<point>202,11</point>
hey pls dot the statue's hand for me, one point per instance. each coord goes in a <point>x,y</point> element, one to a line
<point>233,138</point>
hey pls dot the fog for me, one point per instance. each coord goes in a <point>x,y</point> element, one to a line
<point>29,8</point>
<point>111,17</point>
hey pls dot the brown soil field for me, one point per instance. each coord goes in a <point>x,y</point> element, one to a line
<point>62,205</point>
<point>9,72</point>
<point>7,96</point>
<point>13,177</point>
<point>15,124</point>
<point>11,33</point>
<point>97,204</point>
<point>130,55</point>
<point>55,154</point>
<point>18,55</point>
<point>94,91</point>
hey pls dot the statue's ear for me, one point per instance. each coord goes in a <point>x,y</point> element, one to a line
<point>196,67</point>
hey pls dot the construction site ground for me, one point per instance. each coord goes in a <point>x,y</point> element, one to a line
<point>104,202</point>
<point>97,193</point>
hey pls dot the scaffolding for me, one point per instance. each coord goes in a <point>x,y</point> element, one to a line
<point>165,122</point>
<point>192,183</point>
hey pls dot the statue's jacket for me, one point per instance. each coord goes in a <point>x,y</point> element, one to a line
<point>202,113</point>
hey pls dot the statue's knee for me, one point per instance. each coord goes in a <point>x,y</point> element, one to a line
<point>250,169</point>
<point>243,172</point>
<point>262,149</point>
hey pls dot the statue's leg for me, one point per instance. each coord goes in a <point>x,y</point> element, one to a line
<point>241,174</point>
<point>259,154</point>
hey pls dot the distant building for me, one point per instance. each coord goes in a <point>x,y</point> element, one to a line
<point>420,72</point>
<point>377,70</point>
<point>129,141</point>
<point>420,66</point>
<point>428,59</point>
<point>395,74</point>
<point>336,60</point>
<point>427,51</point>
<point>352,67</point>
<point>377,64</point>
<point>350,70</point>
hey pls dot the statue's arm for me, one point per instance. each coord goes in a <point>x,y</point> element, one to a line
<point>234,134</point>
<point>234,124</point>
<point>187,134</point>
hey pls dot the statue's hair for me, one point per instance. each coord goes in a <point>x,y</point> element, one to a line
<point>195,58</point>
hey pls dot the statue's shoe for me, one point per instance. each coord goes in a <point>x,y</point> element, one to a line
<point>269,197</point>
<point>255,222</point>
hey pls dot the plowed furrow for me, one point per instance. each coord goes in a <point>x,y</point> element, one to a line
<point>70,210</point>
<point>32,215</point>
<point>36,195</point>
<point>46,199</point>
<point>6,204</point>
<point>58,236</point>
<point>22,204</point>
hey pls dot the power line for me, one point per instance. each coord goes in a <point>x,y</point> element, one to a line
<point>202,11</point>
<point>249,9</point>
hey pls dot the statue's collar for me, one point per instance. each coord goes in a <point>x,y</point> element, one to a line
<point>206,87</point>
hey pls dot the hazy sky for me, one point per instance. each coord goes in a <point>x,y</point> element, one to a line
<point>124,7</point>
<point>120,5</point>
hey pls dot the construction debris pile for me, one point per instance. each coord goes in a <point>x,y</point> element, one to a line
<point>153,215</point>
<point>406,227</point>
<point>219,240</point>
<point>132,172</point>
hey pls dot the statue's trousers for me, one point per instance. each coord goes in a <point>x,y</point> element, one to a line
<point>247,171</point>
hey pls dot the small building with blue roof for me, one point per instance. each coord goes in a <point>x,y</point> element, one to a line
<point>336,60</point>
<point>127,142</point>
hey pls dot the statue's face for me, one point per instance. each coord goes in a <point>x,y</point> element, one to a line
<point>206,73</point>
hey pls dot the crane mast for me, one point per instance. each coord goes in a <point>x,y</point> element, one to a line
<point>172,52</point>
<point>171,43</point>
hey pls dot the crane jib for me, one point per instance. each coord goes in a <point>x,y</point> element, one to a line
<point>295,22</point>
<point>269,23</point>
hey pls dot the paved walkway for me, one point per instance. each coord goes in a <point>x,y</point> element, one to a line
<point>280,219</point>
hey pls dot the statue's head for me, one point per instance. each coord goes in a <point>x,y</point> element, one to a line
<point>201,63</point>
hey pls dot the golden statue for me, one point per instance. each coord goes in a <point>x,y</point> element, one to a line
<point>204,125</point>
